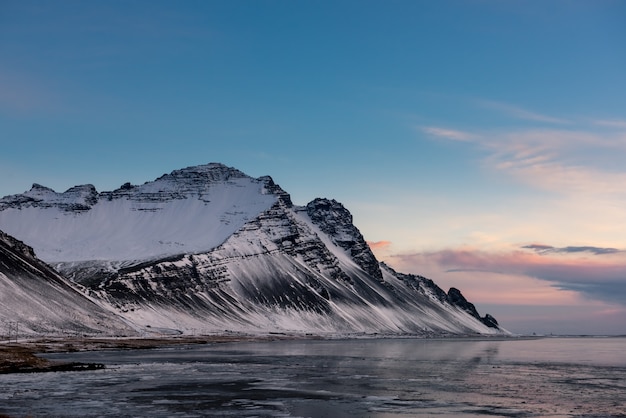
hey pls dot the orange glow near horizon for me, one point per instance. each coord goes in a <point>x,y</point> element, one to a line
<point>378,245</point>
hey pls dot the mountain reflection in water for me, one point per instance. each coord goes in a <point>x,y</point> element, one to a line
<point>552,377</point>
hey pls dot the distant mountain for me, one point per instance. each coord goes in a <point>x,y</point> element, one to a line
<point>208,248</point>
<point>35,300</point>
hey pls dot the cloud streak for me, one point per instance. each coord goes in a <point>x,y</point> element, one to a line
<point>448,133</point>
<point>574,162</point>
<point>548,249</point>
<point>611,123</point>
<point>566,162</point>
<point>594,272</point>
<point>521,113</point>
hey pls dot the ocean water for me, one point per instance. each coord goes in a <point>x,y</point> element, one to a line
<point>547,377</point>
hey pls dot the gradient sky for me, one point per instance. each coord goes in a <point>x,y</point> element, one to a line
<point>479,143</point>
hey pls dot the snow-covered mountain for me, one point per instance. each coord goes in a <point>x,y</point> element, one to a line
<point>35,300</point>
<point>186,211</point>
<point>208,248</point>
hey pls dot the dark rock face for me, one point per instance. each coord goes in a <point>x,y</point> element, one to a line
<point>179,184</point>
<point>74,199</point>
<point>202,174</point>
<point>18,259</point>
<point>336,221</point>
<point>420,284</point>
<point>275,189</point>
<point>490,321</point>
<point>84,196</point>
<point>8,243</point>
<point>456,298</point>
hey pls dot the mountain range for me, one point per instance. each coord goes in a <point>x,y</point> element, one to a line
<point>210,249</point>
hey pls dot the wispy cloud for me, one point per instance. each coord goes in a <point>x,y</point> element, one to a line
<point>575,161</point>
<point>521,113</point>
<point>561,161</point>
<point>448,133</point>
<point>580,159</point>
<point>611,123</point>
<point>548,249</point>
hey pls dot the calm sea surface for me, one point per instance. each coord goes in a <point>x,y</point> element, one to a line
<point>549,377</point>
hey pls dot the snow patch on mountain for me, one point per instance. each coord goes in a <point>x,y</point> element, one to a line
<point>187,211</point>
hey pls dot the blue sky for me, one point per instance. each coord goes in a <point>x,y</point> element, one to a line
<point>464,136</point>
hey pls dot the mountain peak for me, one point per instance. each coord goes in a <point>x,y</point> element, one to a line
<point>39,188</point>
<point>77,198</point>
<point>188,210</point>
<point>210,172</point>
<point>180,184</point>
<point>456,298</point>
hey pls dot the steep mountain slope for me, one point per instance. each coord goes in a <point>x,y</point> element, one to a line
<point>34,299</point>
<point>208,248</point>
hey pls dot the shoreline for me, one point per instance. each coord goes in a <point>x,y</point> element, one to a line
<point>22,356</point>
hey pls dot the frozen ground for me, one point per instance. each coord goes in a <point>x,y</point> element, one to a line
<point>339,378</point>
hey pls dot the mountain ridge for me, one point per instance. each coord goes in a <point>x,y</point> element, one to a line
<point>209,247</point>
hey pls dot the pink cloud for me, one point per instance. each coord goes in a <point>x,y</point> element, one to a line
<point>568,290</point>
<point>378,245</point>
<point>592,272</point>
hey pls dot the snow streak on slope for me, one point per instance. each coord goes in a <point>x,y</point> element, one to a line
<point>34,299</point>
<point>277,274</point>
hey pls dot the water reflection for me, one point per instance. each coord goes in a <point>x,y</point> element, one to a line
<point>378,378</point>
